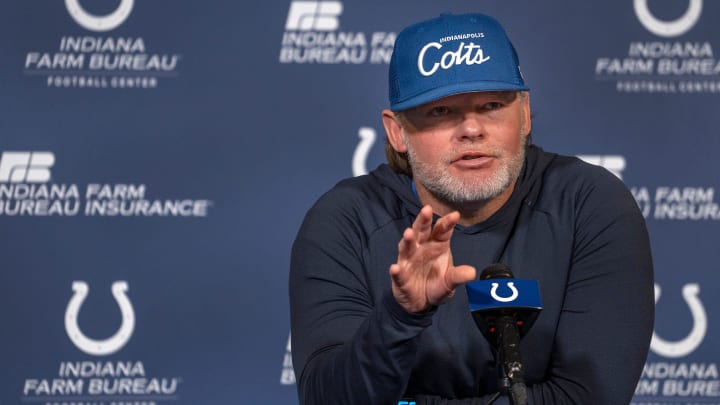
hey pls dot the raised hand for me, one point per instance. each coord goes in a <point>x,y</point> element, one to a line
<point>424,274</point>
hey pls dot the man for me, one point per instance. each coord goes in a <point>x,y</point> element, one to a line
<point>378,309</point>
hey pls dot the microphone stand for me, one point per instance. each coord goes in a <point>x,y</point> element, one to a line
<point>512,380</point>
<point>502,324</point>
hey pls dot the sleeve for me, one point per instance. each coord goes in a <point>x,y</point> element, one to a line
<point>606,322</point>
<point>347,349</point>
<point>605,326</point>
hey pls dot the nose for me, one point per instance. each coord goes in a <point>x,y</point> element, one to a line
<point>472,127</point>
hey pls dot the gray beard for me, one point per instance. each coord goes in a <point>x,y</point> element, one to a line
<point>458,192</point>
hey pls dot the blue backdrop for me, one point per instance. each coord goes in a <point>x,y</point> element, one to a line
<point>157,158</point>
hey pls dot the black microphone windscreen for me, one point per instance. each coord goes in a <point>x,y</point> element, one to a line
<point>496,270</point>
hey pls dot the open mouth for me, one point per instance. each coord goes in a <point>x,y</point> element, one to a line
<point>473,160</point>
<point>471,156</point>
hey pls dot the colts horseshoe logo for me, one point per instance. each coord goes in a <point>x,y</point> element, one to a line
<point>99,347</point>
<point>367,139</point>
<point>668,28</point>
<point>496,297</point>
<point>687,345</point>
<point>99,23</point>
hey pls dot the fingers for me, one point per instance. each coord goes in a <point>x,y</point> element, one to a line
<point>424,273</point>
<point>419,233</point>
<point>396,274</point>
<point>407,245</point>
<point>459,275</point>
<point>423,223</point>
<point>422,231</point>
<point>443,229</point>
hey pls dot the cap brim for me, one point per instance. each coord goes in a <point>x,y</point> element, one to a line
<point>449,90</point>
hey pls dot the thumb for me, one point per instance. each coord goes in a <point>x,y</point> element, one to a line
<point>460,275</point>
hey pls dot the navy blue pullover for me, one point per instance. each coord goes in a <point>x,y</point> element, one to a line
<point>572,226</point>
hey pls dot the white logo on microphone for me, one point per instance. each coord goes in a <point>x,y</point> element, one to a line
<point>691,342</point>
<point>99,23</point>
<point>496,297</point>
<point>668,28</point>
<point>99,347</point>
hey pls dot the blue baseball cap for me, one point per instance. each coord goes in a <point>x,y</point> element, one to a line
<point>451,54</point>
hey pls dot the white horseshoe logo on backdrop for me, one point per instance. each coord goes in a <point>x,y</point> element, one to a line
<point>99,347</point>
<point>511,286</point>
<point>359,160</point>
<point>687,345</point>
<point>668,28</point>
<point>99,23</point>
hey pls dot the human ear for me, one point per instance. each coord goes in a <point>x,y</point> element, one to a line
<point>526,117</point>
<point>394,131</point>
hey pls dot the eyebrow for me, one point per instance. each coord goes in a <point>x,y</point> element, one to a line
<point>504,95</point>
<point>507,96</point>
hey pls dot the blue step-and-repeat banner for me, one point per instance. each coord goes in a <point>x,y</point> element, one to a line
<point>157,158</point>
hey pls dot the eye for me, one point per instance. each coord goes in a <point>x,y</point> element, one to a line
<point>439,111</point>
<point>493,105</point>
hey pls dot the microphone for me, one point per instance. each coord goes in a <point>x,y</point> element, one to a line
<point>504,308</point>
